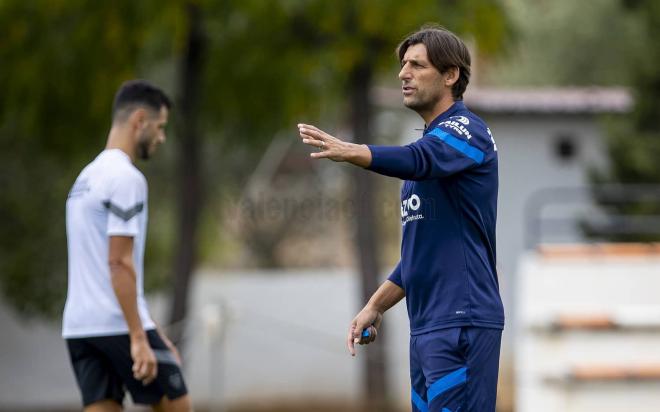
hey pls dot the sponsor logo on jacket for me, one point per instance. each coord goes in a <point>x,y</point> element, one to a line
<point>457,124</point>
<point>410,208</point>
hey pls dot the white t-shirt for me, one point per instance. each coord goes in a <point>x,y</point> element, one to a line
<point>109,198</point>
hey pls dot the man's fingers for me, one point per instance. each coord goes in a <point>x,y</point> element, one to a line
<point>367,336</point>
<point>313,139</point>
<point>349,340</point>
<point>321,155</point>
<point>312,132</point>
<point>308,134</point>
<point>139,370</point>
<point>309,127</point>
<point>136,370</point>
<point>329,146</point>
<point>373,332</point>
<point>358,337</point>
<point>316,143</point>
<point>151,375</point>
<point>145,370</point>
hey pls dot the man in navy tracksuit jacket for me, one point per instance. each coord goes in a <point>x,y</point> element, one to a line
<point>447,271</point>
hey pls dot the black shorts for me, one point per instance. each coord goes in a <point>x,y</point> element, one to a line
<point>103,369</point>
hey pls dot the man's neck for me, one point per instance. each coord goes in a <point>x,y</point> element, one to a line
<point>119,138</point>
<point>442,106</point>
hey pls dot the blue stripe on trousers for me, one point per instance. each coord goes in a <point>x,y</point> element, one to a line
<point>418,401</point>
<point>447,382</point>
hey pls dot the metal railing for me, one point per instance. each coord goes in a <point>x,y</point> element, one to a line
<point>593,213</point>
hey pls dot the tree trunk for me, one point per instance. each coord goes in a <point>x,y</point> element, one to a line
<point>190,178</point>
<point>367,245</point>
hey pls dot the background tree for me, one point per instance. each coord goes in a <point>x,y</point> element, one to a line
<point>191,198</point>
<point>567,43</point>
<point>634,143</point>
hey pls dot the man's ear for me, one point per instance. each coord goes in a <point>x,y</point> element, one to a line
<point>138,118</point>
<point>451,76</point>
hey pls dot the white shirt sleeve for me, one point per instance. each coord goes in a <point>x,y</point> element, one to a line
<point>126,202</point>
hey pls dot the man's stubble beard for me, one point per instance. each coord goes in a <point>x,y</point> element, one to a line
<point>418,107</point>
<point>144,143</point>
<point>422,105</point>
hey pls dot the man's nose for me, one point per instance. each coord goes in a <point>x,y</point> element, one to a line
<point>404,74</point>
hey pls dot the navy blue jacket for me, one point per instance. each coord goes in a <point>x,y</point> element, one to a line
<point>448,214</point>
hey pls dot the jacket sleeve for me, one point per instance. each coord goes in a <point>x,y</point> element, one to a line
<point>439,153</point>
<point>395,276</point>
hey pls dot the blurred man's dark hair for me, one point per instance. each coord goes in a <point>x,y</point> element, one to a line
<point>138,93</point>
<point>445,50</point>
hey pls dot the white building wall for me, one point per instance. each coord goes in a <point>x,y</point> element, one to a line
<point>264,336</point>
<point>34,365</point>
<point>527,165</point>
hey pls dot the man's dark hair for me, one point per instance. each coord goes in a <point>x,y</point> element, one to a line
<point>138,93</point>
<point>445,50</point>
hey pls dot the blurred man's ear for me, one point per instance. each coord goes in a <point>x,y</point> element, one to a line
<point>138,117</point>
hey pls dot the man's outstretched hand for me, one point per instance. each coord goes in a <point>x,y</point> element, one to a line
<point>333,148</point>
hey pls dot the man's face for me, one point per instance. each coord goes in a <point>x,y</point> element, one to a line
<point>421,82</point>
<point>152,133</point>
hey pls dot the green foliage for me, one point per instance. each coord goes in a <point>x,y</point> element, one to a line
<point>569,43</point>
<point>645,68</point>
<point>633,154</point>
<point>62,62</point>
<point>634,142</point>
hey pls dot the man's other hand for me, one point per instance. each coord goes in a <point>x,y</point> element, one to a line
<point>145,367</point>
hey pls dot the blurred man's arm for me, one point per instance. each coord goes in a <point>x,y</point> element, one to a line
<point>122,273</point>
<point>171,346</point>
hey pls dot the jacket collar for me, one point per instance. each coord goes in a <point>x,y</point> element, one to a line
<point>453,109</point>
